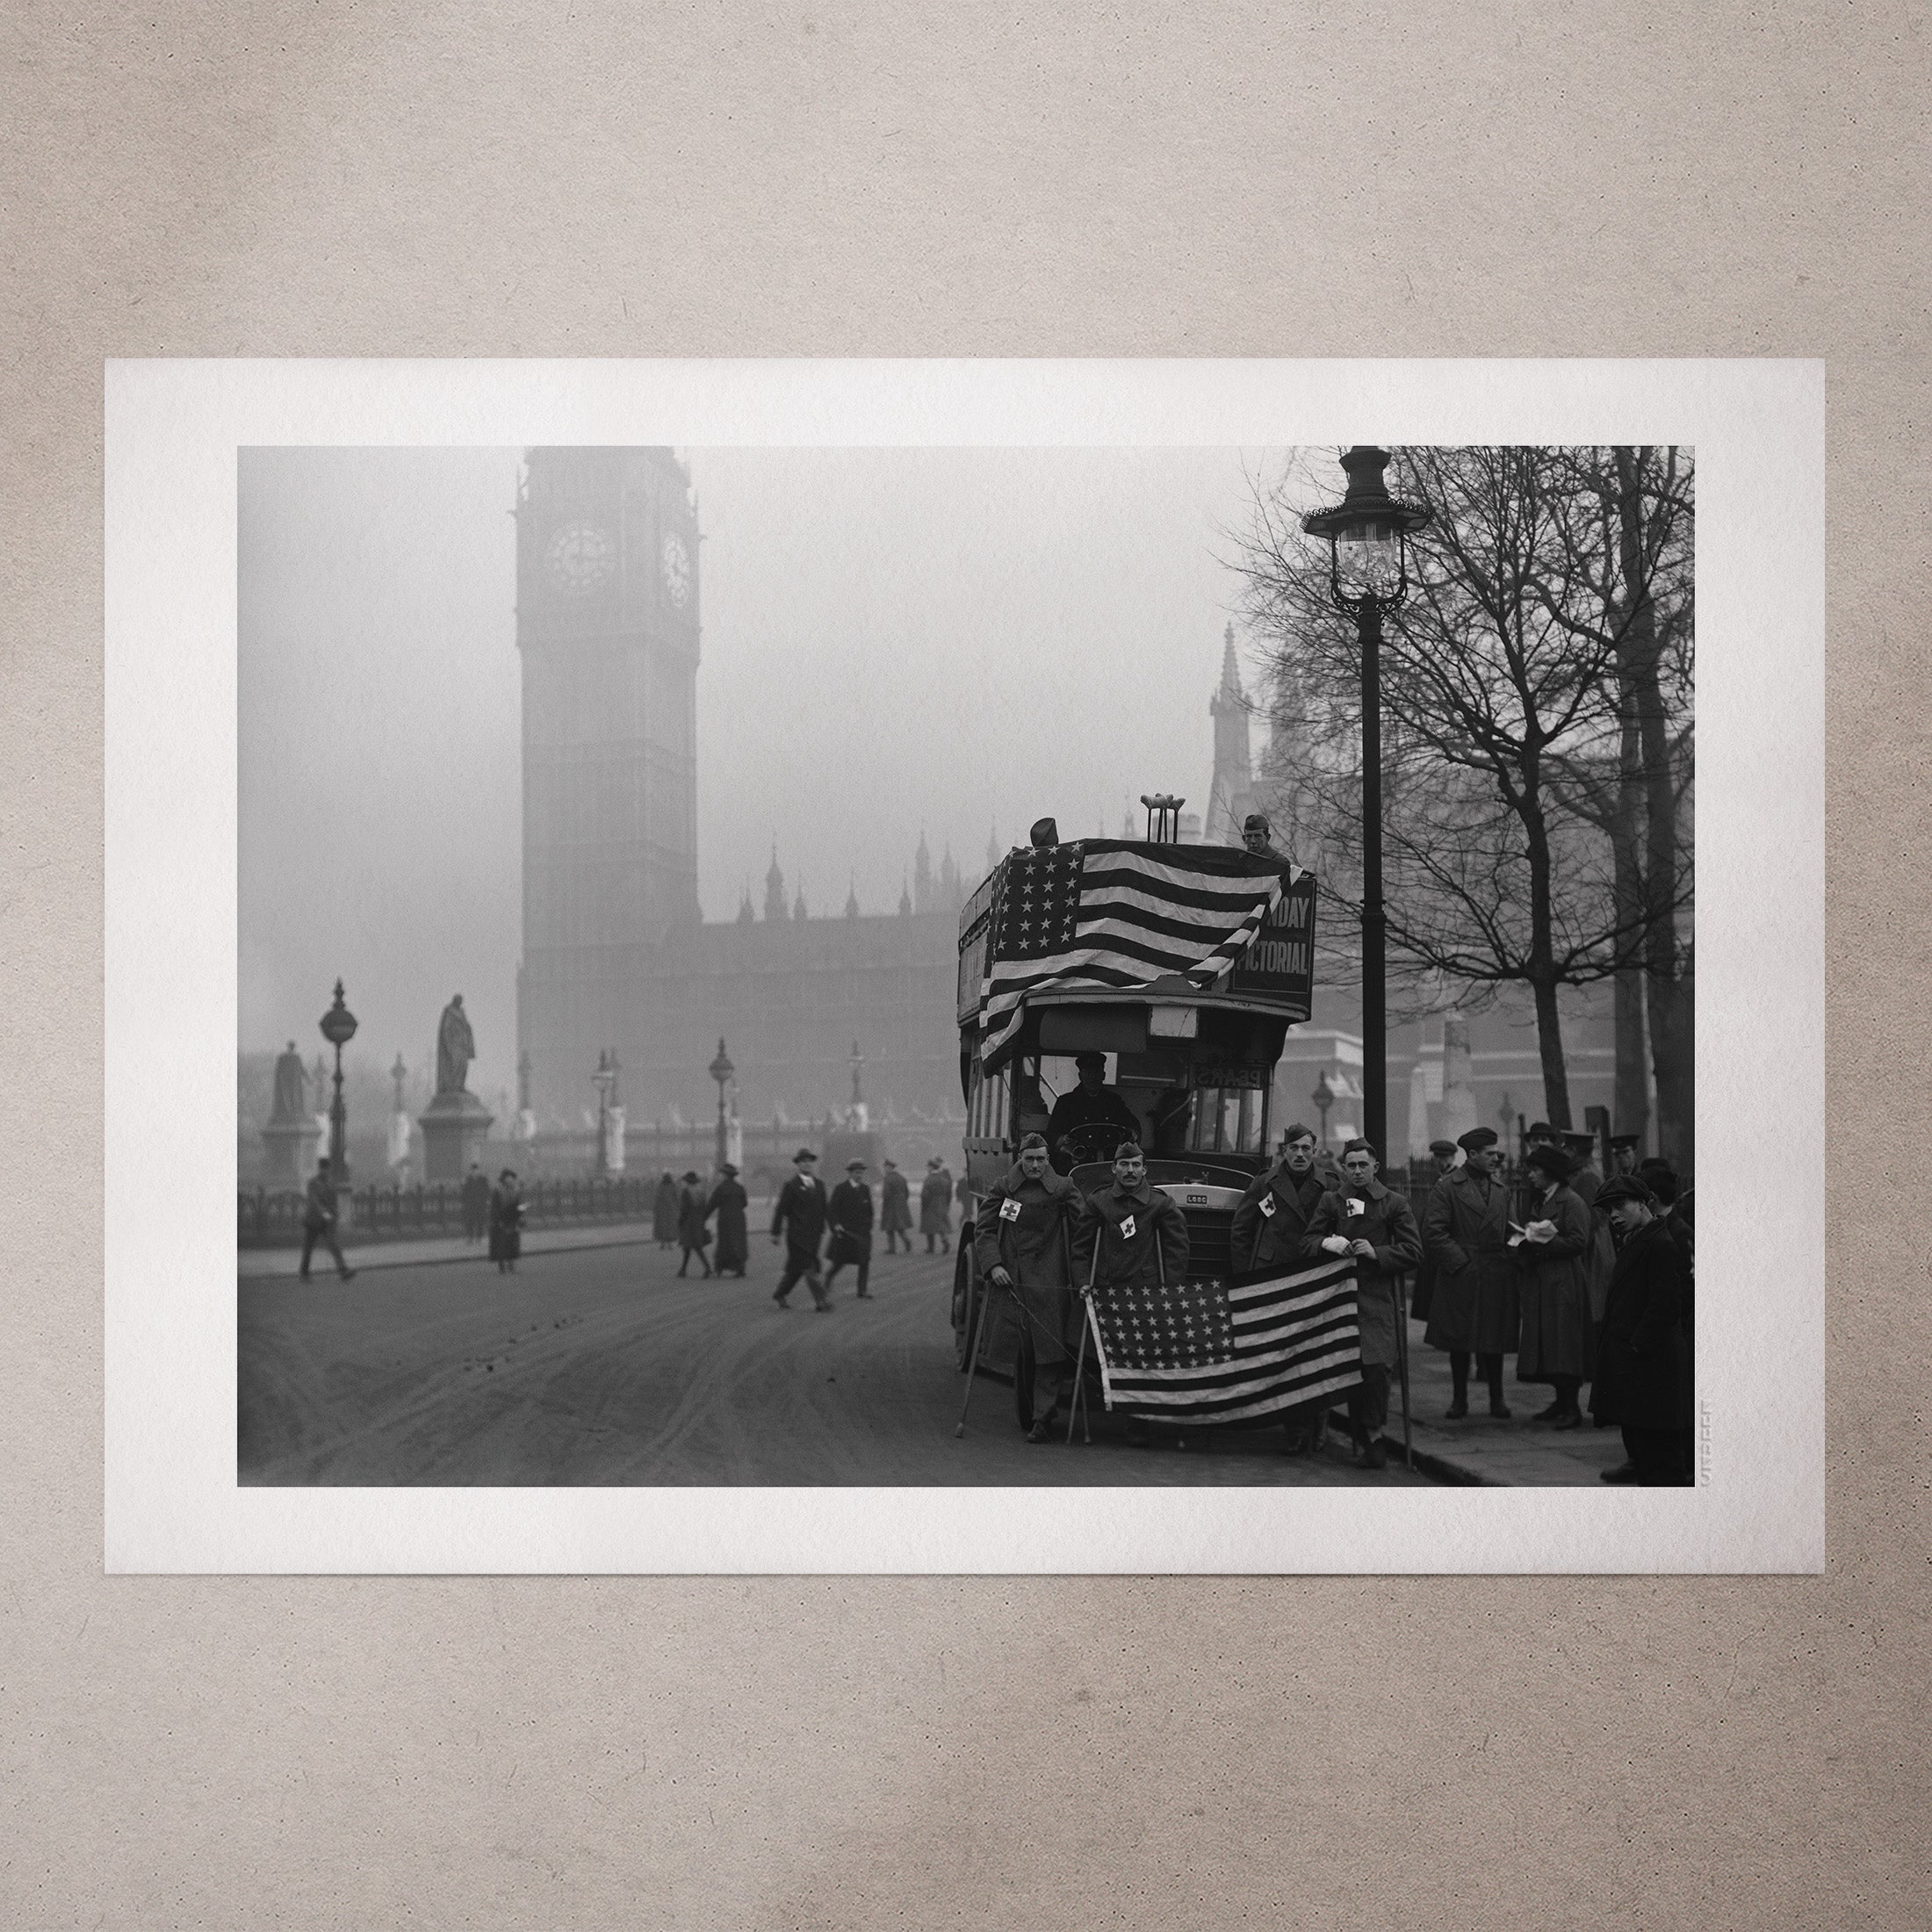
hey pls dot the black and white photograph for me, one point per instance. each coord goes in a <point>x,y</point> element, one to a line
<point>943,968</point>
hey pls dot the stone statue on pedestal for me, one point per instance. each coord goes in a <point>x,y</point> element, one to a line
<point>456,1123</point>
<point>293,1133</point>
<point>456,1048</point>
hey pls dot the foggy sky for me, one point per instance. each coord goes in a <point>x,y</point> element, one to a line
<point>945,640</point>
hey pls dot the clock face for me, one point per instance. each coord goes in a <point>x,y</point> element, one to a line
<point>677,570</point>
<point>580,556</point>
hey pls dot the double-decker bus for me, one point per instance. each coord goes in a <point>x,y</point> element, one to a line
<point>1196,1068</point>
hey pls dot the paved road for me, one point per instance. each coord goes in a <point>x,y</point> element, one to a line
<point>602,1367</point>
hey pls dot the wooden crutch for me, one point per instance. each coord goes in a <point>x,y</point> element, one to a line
<point>972,1367</point>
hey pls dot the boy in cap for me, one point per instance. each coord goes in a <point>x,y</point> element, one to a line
<point>850,1215</point>
<point>1465,1233</point>
<point>799,1220</point>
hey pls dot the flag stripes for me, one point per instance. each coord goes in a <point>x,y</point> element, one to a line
<point>1209,1352</point>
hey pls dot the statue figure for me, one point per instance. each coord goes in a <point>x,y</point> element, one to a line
<point>291,1087</point>
<point>456,1048</point>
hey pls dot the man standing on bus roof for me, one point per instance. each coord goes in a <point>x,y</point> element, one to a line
<point>1022,1239</point>
<point>1258,836</point>
<point>1094,1103</point>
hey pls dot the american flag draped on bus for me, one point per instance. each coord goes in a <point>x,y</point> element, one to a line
<point>1207,1351</point>
<point>1105,912</point>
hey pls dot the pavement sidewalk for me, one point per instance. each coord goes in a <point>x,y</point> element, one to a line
<point>283,1264</point>
<point>1481,1450</point>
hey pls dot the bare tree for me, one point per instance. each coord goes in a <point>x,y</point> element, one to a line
<point>1505,707</point>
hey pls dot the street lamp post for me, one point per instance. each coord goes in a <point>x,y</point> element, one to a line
<point>721,1070</point>
<point>1324,1098</point>
<point>338,1027</point>
<point>606,1079</point>
<point>1368,577</point>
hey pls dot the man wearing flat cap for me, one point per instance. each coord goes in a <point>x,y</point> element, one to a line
<point>1623,1155</point>
<point>1644,1380</point>
<point>1466,1232</point>
<point>1094,1103</point>
<point>1022,1240</point>
<point>849,1213</point>
<point>799,1220</point>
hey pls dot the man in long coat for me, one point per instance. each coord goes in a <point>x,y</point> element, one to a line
<point>849,1215</point>
<point>1023,1242</point>
<point>895,1208</point>
<point>1465,1231</point>
<point>936,1206</point>
<point>1272,1221</point>
<point>1557,1340</point>
<point>319,1215</point>
<point>799,1220</point>
<point>727,1203</point>
<point>1644,1369</point>
<point>1377,1226</point>
<point>476,1202</point>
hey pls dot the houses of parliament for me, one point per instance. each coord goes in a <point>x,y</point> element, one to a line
<point>617,954</point>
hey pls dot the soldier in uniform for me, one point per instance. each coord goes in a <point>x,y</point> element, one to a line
<point>1466,1232</point>
<point>1445,1153</point>
<point>936,1205</point>
<point>799,1220</point>
<point>1377,1226</point>
<point>1623,1155</point>
<point>850,1215</point>
<point>1258,836</point>
<point>1129,1234</point>
<point>1094,1103</point>
<point>1271,1223</point>
<point>1022,1239</point>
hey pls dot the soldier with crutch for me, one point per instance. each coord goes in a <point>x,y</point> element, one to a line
<point>1129,1234</point>
<point>1022,1241</point>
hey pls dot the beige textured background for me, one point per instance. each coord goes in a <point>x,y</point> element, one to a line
<point>724,179</point>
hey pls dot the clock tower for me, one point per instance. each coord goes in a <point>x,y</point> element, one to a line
<point>607,624</point>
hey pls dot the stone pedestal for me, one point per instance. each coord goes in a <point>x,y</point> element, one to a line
<point>454,1127</point>
<point>291,1149</point>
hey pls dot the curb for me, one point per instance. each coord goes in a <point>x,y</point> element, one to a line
<point>361,1266</point>
<point>1440,1469</point>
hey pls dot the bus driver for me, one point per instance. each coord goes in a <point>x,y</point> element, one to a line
<point>1092,1104</point>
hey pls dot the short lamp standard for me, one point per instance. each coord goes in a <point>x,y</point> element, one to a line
<point>1368,576</point>
<point>338,1026</point>
<point>721,1070</point>
<point>605,1080</point>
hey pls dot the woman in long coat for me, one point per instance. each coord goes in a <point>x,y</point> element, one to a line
<point>693,1236</point>
<point>506,1221</point>
<point>664,1212</point>
<point>1557,1343</point>
<point>1643,1352</point>
<point>728,1204</point>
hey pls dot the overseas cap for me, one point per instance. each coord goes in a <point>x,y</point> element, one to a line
<point>1034,1140</point>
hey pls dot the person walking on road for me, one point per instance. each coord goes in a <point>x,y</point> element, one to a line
<point>798,1222</point>
<point>1378,1226</point>
<point>1556,1341</point>
<point>694,1237</point>
<point>1465,1230</point>
<point>664,1212</point>
<point>319,1215</point>
<point>475,1203</point>
<point>936,1206</point>
<point>727,1203</point>
<point>1271,1220</point>
<point>1023,1242</point>
<point>506,1221</point>
<point>849,1215</point>
<point>1644,1370</point>
<point>895,1208</point>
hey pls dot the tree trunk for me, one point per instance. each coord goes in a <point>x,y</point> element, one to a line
<point>1630,1102</point>
<point>1549,1041</point>
<point>1672,1033</point>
